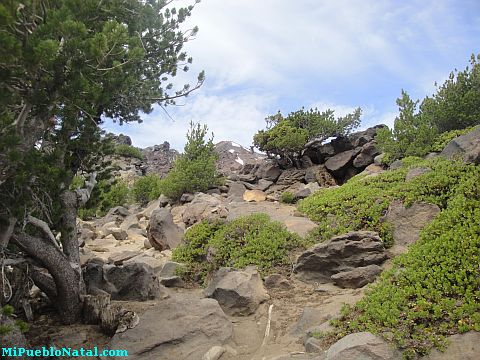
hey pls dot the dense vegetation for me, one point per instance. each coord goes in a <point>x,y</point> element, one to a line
<point>250,240</point>
<point>128,151</point>
<point>434,289</point>
<point>455,106</point>
<point>288,136</point>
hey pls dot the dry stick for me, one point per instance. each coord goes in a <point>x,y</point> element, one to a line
<point>267,329</point>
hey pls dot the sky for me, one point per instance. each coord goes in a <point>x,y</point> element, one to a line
<point>265,56</point>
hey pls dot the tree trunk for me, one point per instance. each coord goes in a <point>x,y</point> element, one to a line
<point>66,292</point>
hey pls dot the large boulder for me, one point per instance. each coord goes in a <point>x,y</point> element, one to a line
<point>268,171</point>
<point>254,195</point>
<point>176,328</point>
<point>320,175</point>
<point>133,281</point>
<point>339,163</point>
<point>238,292</point>
<point>362,346</point>
<point>460,346</point>
<point>465,148</point>
<point>340,254</point>
<point>291,176</point>
<point>357,277</point>
<point>408,222</point>
<point>162,232</point>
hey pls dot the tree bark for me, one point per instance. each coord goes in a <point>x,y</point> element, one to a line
<point>66,278</point>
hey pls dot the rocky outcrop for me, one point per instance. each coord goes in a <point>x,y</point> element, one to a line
<point>176,328</point>
<point>162,232</point>
<point>232,158</point>
<point>465,148</point>
<point>340,254</point>
<point>460,346</point>
<point>237,292</point>
<point>159,159</point>
<point>363,345</point>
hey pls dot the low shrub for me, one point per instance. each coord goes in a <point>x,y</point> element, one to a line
<point>250,240</point>
<point>128,151</point>
<point>287,197</point>
<point>146,188</point>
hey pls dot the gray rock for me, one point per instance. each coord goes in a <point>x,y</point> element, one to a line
<point>268,171</point>
<point>340,162</point>
<point>237,292</point>
<point>169,269</point>
<point>214,353</point>
<point>129,282</point>
<point>172,281</point>
<point>313,345</point>
<point>408,222</point>
<point>162,232</point>
<point>277,281</point>
<point>465,148</point>
<point>263,185</point>
<point>397,164</point>
<point>309,318</point>
<point>377,160</point>
<point>362,160</point>
<point>460,347</point>
<point>130,222</point>
<point>236,190</point>
<point>320,175</point>
<point>121,257</point>
<point>175,328</point>
<point>163,201</point>
<point>357,277</point>
<point>339,254</point>
<point>291,176</point>
<point>185,198</point>
<point>362,346</point>
<point>418,171</point>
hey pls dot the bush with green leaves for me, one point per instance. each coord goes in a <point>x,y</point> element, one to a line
<point>250,240</point>
<point>434,289</point>
<point>287,197</point>
<point>362,202</point>
<point>146,188</point>
<point>288,136</point>
<point>128,151</point>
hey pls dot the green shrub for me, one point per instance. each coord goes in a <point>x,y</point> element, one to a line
<point>362,202</point>
<point>128,151</point>
<point>250,240</point>
<point>433,290</point>
<point>443,139</point>
<point>287,197</point>
<point>146,188</point>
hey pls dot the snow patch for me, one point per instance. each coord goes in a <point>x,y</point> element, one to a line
<point>234,144</point>
<point>240,161</point>
<point>231,151</point>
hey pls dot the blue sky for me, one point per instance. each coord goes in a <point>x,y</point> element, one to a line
<point>261,56</point>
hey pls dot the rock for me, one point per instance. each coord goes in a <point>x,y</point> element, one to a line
<point>465,147</point>
<point>460,347</point>
<point>170,269</point>
<point>117,233</point>
<point>313,345</point>
<point>132,282</point>
<point>408,222</point>
<point>397,164</point>
<point>277,281</point>
<point>202,207</point>
<point>268,171</point>
<point>320,175</point>
<point>237,292</point>
<point>162,232</point>
<point>175,328</point>
<point>307,190</point>
<point>146,244</point>
<point>120,257</point>
<point>147,212</point>
<point>377,160</point>
<point>254,195</point>
<point>130,222</point>
<point>163,201</point>
<point>309,318</point>
<point>155,264</point>
<point>159,159</point>
<point>362,160</point>
<point>236,191</point>
<point>186,198</point>
<point>339,254</point>
<point>263,185</point>
<point>214,353</point>
<point>171,281</point>
<point>291,176</point>
<point>364,346</point>
<point>234,158</point>
<point>337,164</point>
<point>357,277</point>
<point>418,171</point>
